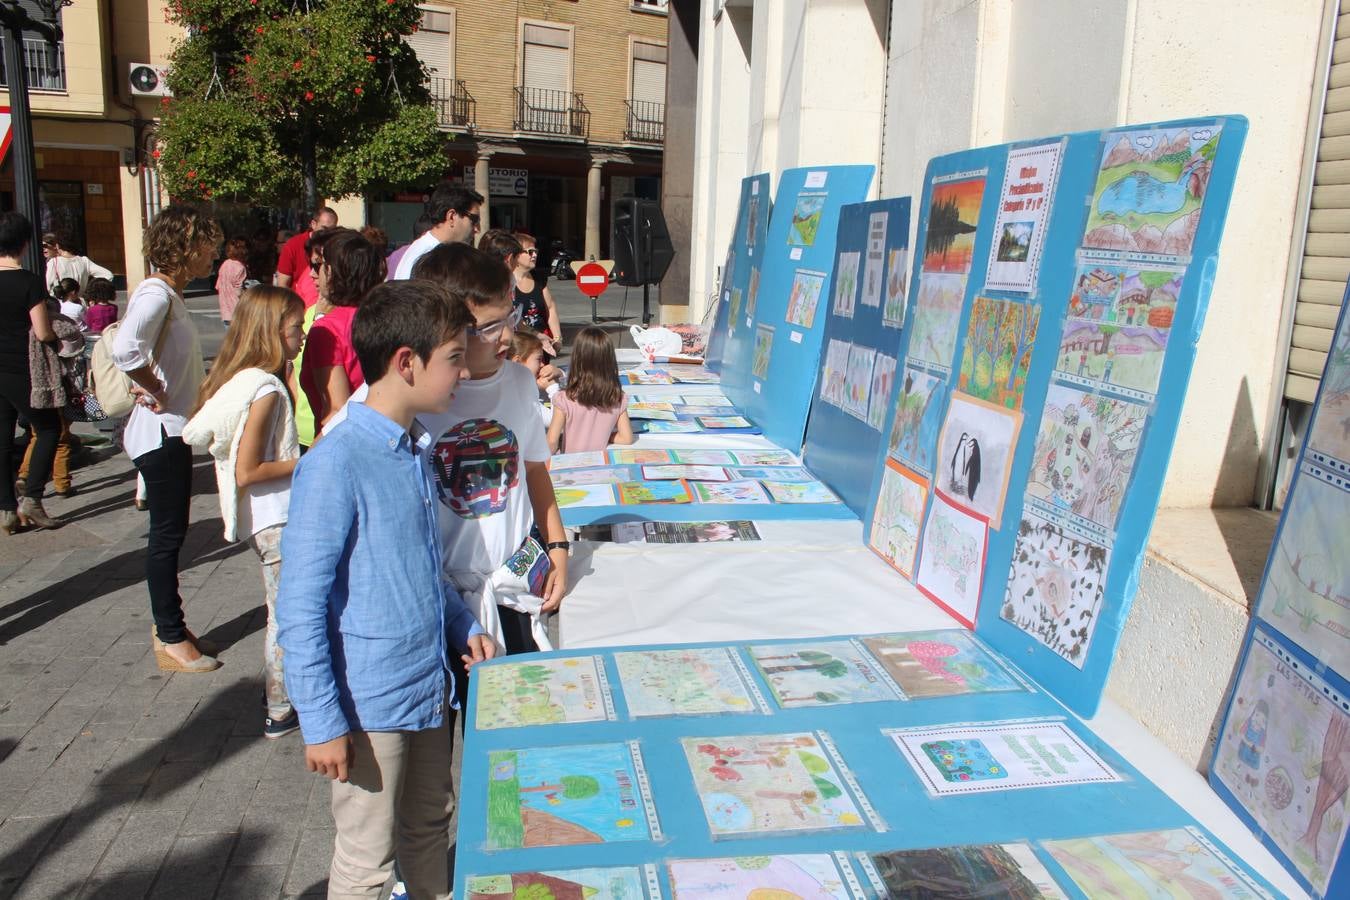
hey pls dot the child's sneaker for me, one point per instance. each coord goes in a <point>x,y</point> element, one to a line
<point>275,728</point>
<point>398,892</point>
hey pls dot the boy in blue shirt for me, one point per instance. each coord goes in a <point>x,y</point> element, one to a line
<point>364,617</point>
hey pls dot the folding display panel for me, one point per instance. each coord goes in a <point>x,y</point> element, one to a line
<point>740,272</point>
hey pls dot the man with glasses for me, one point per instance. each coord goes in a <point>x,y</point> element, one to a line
<point>293,269</point>
<point>454,212</point>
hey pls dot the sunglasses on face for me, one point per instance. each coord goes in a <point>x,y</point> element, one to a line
<point>493,330</point>
<point>531,252</point>
<point>315,265</point>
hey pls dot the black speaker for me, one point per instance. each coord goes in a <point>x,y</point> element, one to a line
<point>639,242</point>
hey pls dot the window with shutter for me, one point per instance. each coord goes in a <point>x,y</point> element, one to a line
<point>433,42</point>
<point>546,65</point>
<point>649,73</point>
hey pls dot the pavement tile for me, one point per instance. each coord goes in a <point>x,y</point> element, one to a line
<point>252,882</point>
<point>21,840</point>
<point>312,858</point>
<point>194,866</point>
<point>143,842</point>
<point>118,886</point>
<point>174,785</point>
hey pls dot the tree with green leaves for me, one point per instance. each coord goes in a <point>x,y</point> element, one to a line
<point>278,99</point>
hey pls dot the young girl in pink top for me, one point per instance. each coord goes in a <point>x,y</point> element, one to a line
<point>592,412</point>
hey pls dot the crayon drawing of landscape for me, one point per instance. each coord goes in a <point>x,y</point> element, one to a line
<point>687,682</point>
<point>544,692</point>
<point>808,876</point>
<point>1005,871</point>
<point>572,884</point>
<point>806,219</point>
<point>820,673</point>
<point>953,214</point>
<point>898,517</point>
<point>1114,295</point>
<point>764,783</point>
<point>1174,863</point>
<point>937,315</point>
<point>1114,355</point>
<point>939,663</point>
<point>1151,189</point>
<point>996,356</point>
<point>559,796</point>
<point>918,416</point>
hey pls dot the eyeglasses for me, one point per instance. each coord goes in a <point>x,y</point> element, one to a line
<point>493,330</point>
<point>475,218</point>
<point>531,252</point>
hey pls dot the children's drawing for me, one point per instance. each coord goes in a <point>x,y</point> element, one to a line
<point>1116,295</point>
<point>692,473</point>
<point>734,305</point>
<point>703,457</point>
<point>763,348</point>
<point>1306,594</point>
<point>876,260</point>
<point>1055,586</point>
<point>858,380</point>
<point>809,876</point>
<point>578,460</point>
<point>639,492</point>
<point>1024,204</point>
<point>897,286</point>
<point>701,409</point>
<point>1330,431</point>
<point>846,283</point>
<point>883,379</point>
<point>693,681</point>
<point>1177,862</point>
<point>774,473</point>
<point>953,214</point>
<point>712,423</point>
<point>975,454</point>
<point>898,516</point>
<point>646,412</point>
<point>763,783</point>
<point>952,562</point>
<point>671,428</point>
<point>805,297</point>
<point>633,456</point>
<point>1151,189</point>
<point>834,373</point>
<point>1006,871</point>
<point>730,492</point>
<point>582,495</point>
<point>752,293</point>
<point>605,475</point>
<point>662,405</point>
<point>625,883</point>
<point>996,356</point>
<point>820,673</point>
<point>560,796</point>
<point>1085,452</point>
<point>806,219</point>
<point>939,663</point>
<point>687,374</point>
<point>918,416</point>
<point>1284,754</point>
<point>541,692</point>
<point>765,458</point>
<point>799,492</point>
<point>999,756</point>
<point>937,317</point>
<point>1120,356</point>
<point>751,222</point>
<point>634,376</point>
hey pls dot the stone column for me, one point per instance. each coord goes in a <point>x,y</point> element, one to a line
<point>592,250</point>
<point>480,184</point>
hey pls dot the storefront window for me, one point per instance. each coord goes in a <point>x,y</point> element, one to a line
<point>61,205</point>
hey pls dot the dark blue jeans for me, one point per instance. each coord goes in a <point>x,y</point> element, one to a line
<point>168,494</point>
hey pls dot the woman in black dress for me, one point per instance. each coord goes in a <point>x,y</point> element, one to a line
<point>538,310</point>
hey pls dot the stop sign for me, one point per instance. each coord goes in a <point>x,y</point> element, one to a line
<point>592,279</point>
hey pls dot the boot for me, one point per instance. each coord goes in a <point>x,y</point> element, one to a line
<point>32,513</point>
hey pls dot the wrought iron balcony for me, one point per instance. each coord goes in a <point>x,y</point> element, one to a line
<point>560,113</point>
<point>646,121</point>
<point>44,65</point>
<point>455,106</point>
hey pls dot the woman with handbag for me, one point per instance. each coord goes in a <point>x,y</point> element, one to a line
<point>22,310</point>
<point>157,347</point>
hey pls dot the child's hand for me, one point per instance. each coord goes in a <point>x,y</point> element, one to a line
<point>555,585</point>
<point>548,374</point>
<point>481,648</point>
<point>331,759</point>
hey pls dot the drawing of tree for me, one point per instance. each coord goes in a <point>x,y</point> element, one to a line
<point>822,663</point>
<point>944,227</point>
<point>573,787</point>
<point>818,696</point>
<point>817,767</point>
<point>1021,337</point>
<point>533,674</point>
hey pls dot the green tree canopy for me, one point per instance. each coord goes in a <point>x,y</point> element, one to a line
<point>281,98</point>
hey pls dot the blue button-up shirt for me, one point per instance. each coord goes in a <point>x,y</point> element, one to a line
<point>363,616</point>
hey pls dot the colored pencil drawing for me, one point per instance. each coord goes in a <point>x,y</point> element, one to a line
<point>734,306</point>
<point>975,453</point>
<point>583,495</point>
<point>846,284</point>
<point>996,356</point>
<point>897,286</point>
<point>898,516</point>
<point>820,673</point>
<point>939,663</point>
<point>1117,355</point>
<point>774,473</point>
<point>799,492</point>
<point>1115,295</point>
<point>858,380</point>
<point>682,682</point>
<point>671,428</point>
<point>1006,871</point>
<point>807,876</point>
<point>1178,862</point>
<point>1284,754</point>
<point>805,297</point>
<point>953,214</point>
<point>752,293</point>
<point>834,372</point>
<point>918,417</point>
<point>638,456</point>
<point>952,561</point>
<point>560,796</point>
<point>751,221</point>
<point>1330,432</point>
<point>730,492</point>
<point>1055,586</point>
<point>711,423</point>
<point>763,351</point>
<point>582,460</point>
<point>806,219</point>
<point>765,783</point>
<point>704,457</point>
<point>662,405</point>
<point>698,409</point>
<point>646,412</point>
<point>543,692</point>
<point>765,458</point>
<point>1150,189</point>
<point>640,492</point>
<point>1085,452</point>
<point>883,380</point>
<point>605,475</point>
<point>626,883</point>
<point>677,471</point>
<point>937,317</point>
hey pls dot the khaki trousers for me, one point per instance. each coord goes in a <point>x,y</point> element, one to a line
<point>397,802</point>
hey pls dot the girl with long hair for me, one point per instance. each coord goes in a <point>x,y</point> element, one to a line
<point>591,412</point>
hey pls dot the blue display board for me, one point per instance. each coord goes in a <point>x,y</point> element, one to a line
<point>1056,296</point>
<point>740,278</point>
<point>863,304</point>
<point>1282,760</point>
<point>770,365</point>
<point>646,758</point>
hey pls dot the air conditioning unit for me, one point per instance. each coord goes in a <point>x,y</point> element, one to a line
<point>146,80</point>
